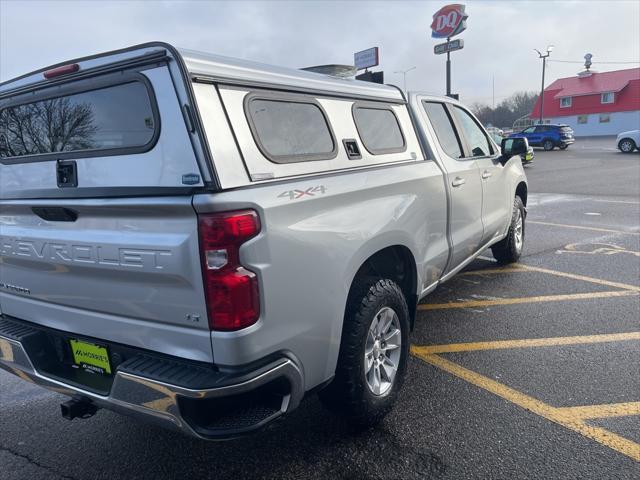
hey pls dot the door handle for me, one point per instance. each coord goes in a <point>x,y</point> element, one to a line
<point>486,174</point>
<point>458,181</point>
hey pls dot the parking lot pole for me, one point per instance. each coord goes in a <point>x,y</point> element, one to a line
<point>544,63</point>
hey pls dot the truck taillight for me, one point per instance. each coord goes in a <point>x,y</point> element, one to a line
<point>231,291</point>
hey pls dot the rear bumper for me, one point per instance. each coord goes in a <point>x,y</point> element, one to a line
<point>201,402</point>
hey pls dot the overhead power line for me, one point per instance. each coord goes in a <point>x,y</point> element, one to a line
<point>582,61</point>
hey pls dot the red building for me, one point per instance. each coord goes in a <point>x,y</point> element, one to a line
<point>594,103</point>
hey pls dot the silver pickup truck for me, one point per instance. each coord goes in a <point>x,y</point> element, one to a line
<point>202,241</point>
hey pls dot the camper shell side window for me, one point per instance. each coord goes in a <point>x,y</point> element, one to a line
<point>378,128</point>
<point>290,128</point>
<point>276,134</point>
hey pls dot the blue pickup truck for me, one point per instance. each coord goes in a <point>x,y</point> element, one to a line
<point>547,136</point>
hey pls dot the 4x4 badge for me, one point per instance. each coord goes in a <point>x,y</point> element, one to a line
<point>311,192</point>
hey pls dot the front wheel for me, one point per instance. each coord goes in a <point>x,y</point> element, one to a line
<point>373,353</point>
<point>509,249</point>
<point>563,147</point>
<point>548,145</point>
<point>627,145</point>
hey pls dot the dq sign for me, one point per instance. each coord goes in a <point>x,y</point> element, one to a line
<point>449,21</point>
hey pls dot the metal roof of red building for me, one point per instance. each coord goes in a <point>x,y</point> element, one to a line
<point>594,83</point>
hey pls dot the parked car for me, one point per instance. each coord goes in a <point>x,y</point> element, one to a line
<point>628,141</point>
<point>494,131</point>
<point>200,241</point>
<point>547,136</point>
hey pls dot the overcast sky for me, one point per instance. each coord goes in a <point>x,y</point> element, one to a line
<point>499,40</point>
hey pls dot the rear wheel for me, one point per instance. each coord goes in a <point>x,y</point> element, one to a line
<point>548,145</point>
<point>373,353</point>
<point>509,249</point>
<point>627,145</point>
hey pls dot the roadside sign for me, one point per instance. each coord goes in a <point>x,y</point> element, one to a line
<point>375,77</point>
<point>448,46</point>
<point>366,58</point>
<point>449,21</point>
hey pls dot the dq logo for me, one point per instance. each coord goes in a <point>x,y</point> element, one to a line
<point>449,21</point>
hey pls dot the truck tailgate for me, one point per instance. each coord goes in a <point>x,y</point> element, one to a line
<point>126,270</point>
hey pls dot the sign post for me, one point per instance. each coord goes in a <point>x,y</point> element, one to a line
<point>448,72</point>
<point>448,22</point>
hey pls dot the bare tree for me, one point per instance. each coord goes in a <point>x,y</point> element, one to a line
<point>507,111</point>
<point>55,125</point>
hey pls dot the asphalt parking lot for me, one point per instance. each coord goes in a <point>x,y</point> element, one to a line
<point>525,371</point>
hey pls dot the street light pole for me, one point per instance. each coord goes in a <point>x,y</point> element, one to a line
<point>544,64</point>
<point>404,77</point>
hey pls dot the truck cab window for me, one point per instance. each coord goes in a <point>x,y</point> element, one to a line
<point>476,138</point>
<point>443,127</point>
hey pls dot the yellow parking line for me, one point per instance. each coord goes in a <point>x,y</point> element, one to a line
<point>580,227</point>
<point>587,412</point>
<point>525,343</point>
<point>605,437</point>
<point>488,271</point>
<point>583,278</point>
<point>519,300</point>
<point>617,201</point>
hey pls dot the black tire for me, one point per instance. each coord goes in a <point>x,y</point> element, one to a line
<point>548,145</point>
<point>627,145</point>
<point>563,147</point>
<point>509,249</point>
<point>349,394</point>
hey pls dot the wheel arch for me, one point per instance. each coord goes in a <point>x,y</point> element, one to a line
<point>397,263</point>
<point>633,142</point>
<point>522,192</point>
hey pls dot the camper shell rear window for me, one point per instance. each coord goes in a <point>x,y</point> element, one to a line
<point>109,115</point>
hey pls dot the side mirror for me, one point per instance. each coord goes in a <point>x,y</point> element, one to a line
<point>513,146</point>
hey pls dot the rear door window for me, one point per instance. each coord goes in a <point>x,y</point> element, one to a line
<point>288,131</point>
<point>379,129</point>
<point>479,145</point>
<point>447,136</point>
<point>118,118</point>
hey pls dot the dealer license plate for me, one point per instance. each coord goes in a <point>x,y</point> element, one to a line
<point>90,357</point>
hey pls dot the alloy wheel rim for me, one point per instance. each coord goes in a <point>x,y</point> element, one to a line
<point>382,351</point>
<point>518,231</point>
<point>626,146</point>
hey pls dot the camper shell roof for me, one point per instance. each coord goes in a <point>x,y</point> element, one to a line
<point>205,67</point>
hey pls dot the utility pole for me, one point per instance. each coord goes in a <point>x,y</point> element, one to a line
<point>493,100</point>
<point>544,64</point>
<point>404,77</point>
